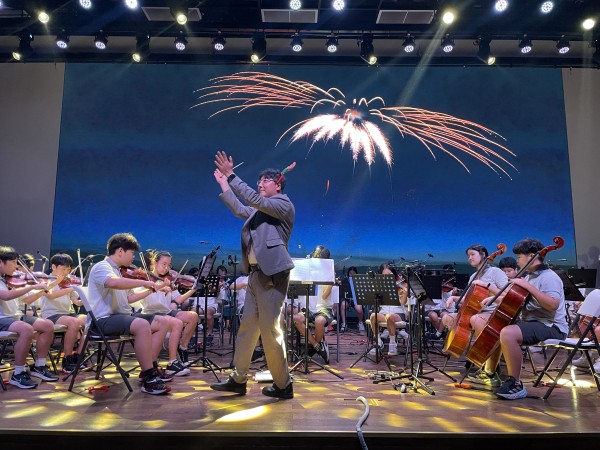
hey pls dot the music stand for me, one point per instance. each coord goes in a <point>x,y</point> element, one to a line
<point>377,290</point>
<point>304,277</point>
<point>415,285</point>
<point>209,283</point>
<point>572,293</point>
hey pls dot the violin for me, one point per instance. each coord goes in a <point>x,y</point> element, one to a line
<point>69,281</point>
<point>180,281</point>
<point>506,312</point>
<point>135,273</point>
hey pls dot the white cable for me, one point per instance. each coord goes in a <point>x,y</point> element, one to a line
<point>361,420</point>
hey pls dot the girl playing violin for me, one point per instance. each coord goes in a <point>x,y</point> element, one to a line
<point>12,319</point>
<point>57,306</point>
<point>164,302</point>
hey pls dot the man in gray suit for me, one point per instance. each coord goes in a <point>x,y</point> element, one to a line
<point>269,216</point>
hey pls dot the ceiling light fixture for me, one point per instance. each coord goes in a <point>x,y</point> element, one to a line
<point>563,45</point>
<point>447,44</point>
<point>101,41</point>
<point>332,44</point>
<point>296,43</point>
<point>179,11</point>
<point>219,42</point>
<point>525,45</point>
<point>501,5</point>
<point>142,48</point>
<point>295,4</point>
<point>409,44</point>
<point>448,17</point>
<point>367,51</point>
<point>546,7</point>
<point>259,49</point>
<point>131,4</point>
<point>62,40</point>
<point>43,17</point>
<point>588,23</point>
<point>85,4</point>
<point>24,50</point>
<point>181,42</point>
<point>338,5</point>
<point>484,54</point>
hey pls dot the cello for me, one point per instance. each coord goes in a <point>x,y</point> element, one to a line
<point>506,313</point>
<point>459,336</point>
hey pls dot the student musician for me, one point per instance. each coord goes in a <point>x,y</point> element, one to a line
<point>12,319</point>
<point>182,324</point>
<point>391,314</point>
<point>508,265</point>
<point>347,298</point>
<point>543,317</point>
<point>110,297</point>
<point>57,306</point>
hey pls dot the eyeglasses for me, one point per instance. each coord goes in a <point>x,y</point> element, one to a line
<point>264,180</point>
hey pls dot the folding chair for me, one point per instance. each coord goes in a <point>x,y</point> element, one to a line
<point>6,337</point>
<point>590,308</point>
<point>94,335</point>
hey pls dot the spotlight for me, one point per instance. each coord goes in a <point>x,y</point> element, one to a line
<point>447,44</point>
<point>332,44</point>
<point>448,17</point>
<point>484,53</point>
<point>85,4</point>
<point>295,4</point>
<point>142,48</point>
<point>181,42</point>
<point>525,45</point>
<point>219,43</point>
<point>179,11</point>
<point>587,24</point>
<point>24,50</point>
<point>131,4</point>
<point>367,51</point>
<point>501,5</point>
<point>43,17</point>
<point>409,44</point>
<point>563,45</point>
<point>296,43</point>
<point>62,40</point>
<point>101,41</point>
<point>259,49</point>
<point>338,5</point>
<point>546,7</point>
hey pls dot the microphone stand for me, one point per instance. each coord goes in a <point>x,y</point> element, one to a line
<point>233,308</point>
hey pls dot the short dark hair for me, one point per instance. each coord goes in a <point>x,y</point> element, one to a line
<point>321,251</point>
<point>508,261</point>
<point>350,269</point>
<point>221,267</point>
<point>479,249</point>
<point>62,259</point>
<point>527,246</point>
<point>8,253</point>
<point>126,241</point>
<point>273,174</point>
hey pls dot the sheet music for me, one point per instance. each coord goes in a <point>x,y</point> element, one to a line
<point>312,271</point>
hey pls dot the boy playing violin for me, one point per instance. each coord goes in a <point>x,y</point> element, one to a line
<point>57,306</point>
<point>110,296</point>
<point>13,320</point>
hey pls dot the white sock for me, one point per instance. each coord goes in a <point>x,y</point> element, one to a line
<point>40,362</point>
<point>19,369</point>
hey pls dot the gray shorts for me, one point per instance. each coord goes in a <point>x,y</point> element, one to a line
<point>120,324</point>
<point>534,332</point>
<point>6,322</point>
<point>55,317</point>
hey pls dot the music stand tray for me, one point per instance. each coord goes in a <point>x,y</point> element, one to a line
<point>376,290</point>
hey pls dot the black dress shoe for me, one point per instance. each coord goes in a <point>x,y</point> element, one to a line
<point>230,386</point>
<point>274,391</point>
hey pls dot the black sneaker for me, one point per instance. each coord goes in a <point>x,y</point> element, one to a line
<point>69,363</point>
<point>176,368</point>
<point>43,373</point>
<point>323,351</point>
<point>209,340</point>
<point>152,384</point>
<point>257,355</point>
<point>511,389</point>
<point>22,381</point>
<point>184,357</point>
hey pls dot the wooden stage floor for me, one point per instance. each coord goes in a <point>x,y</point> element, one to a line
<point>324,412</point>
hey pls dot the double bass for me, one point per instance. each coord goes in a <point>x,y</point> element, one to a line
<point>459,336</point>
<point>506,313</point>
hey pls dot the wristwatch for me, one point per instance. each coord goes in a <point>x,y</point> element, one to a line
<point>230,178</point>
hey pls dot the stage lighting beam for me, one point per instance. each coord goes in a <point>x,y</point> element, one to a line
<point>447,44</point>
<point>409,44</point>
<point>101,41</point>
<point>367,50</point>
<point>525,45</point>
<point>296,43</point>
<point>219,43</point>
<point>332,44</point>
<point>484,53</point>
<point>24,50</point>
<point>259,49</point>
<point>563,45</point>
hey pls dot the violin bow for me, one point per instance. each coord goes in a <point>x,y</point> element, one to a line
<point>145,266</point>
<point>180,271</point>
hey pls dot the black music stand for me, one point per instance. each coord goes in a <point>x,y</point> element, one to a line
<point>415,285</point>
<point>210,284</point>
<point>377,290</point>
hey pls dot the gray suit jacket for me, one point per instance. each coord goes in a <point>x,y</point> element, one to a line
<point>269,223</point>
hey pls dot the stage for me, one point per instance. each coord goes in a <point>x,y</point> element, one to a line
<point>323,414</point>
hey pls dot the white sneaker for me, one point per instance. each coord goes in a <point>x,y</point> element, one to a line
<point>385,334</point>
<point>597,366</point>
<point>361,326</point>
<point>403,334</point>
<point>393,349</point>
<point>580,362</point>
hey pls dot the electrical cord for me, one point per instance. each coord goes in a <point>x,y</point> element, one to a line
<point>361,420</point>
